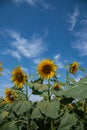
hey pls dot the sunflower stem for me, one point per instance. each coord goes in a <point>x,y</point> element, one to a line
<point>49,96</point>
<point>26,92</point>
<point>52,124</point>
<point>21,121</point>
<point>27,114</point>
<point>67,78</point>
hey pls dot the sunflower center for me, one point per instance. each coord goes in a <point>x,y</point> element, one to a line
<point>20,77</point>
<point>47,69</point>
<point>74,68</point>
<point>11,97</point>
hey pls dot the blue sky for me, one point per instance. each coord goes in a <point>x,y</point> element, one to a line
<point>31,30</point>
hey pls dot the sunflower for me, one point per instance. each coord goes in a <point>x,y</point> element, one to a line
<point>57,86</point>
<point>46,69</point>
<point>10,95</point>
<point>74,67</point>
<point>19,77</point>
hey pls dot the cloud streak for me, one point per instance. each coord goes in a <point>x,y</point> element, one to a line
<point>22,47</point>
<point>81,43</point>
<point>84,21</point>
<point>57,59</point>
<point>72,19</point>
<point>34,3</point>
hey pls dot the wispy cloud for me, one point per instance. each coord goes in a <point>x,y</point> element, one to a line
<point>14,53</point>
<point>37,60</point>
<point>84,21</point>
<point>81,43</point>
<point>22,47</point>
<point>72,19</point>
<point>6,72</point>
<point>34,3</point>
<point>25,70</point>
<point>57,59</point>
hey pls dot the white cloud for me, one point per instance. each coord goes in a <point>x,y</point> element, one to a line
<point>34,3</point>
<point>25,70</point>
<point>57,59</point>
<point>81,47</point>
<point>6,72</point>
<point>72,18</point>
<point>37,60</point>
<point>21,46</point>
<point>84,21</point>
<point>81,43</point>
<point>15,54</point>
<point>30,2</point>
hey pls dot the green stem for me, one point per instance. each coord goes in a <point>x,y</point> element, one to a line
<point>26,92</point>
<point>27,114</point>
<point>67,73</point>
<point>52,125</point>
<point>67,79</point>
<point>21,121</point>
<point>49,96</point>
<point>28,128</point>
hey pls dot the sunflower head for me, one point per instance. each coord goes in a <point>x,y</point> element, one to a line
<point>74,67</point>
<point>57,86</point>
<point>10,95</point>
<point>46,69</point>
<point>19,77</point>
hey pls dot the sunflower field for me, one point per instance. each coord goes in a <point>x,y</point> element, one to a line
<point>63,105</point>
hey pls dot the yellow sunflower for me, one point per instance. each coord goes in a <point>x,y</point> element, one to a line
<point>46,69</point>
<point>19,77</point>
<point>74,67</point>
<point>57,86</point>
<point>10,95</point>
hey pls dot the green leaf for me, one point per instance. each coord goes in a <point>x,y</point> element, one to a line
<point>9,126</point>
<point>71,80</point>
<point>59,93</point>
<point>66,100</point>
<point>3,115</point>
<point>36,92</point>
<point>36,113</point>
<point>39,80</point>
<point>22,106</point>
<point>33,126</point>
<point>37,86</point>
<point>78,91</point>
<point>50,109</point>
<point>82,69</point>
<point>67,121</point>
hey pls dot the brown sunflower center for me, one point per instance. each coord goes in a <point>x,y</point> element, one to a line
<point>19,77</point>
<point>11,97</point>
<point>47,69</point>
<point>74,68</point>
<point>56,87</point>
